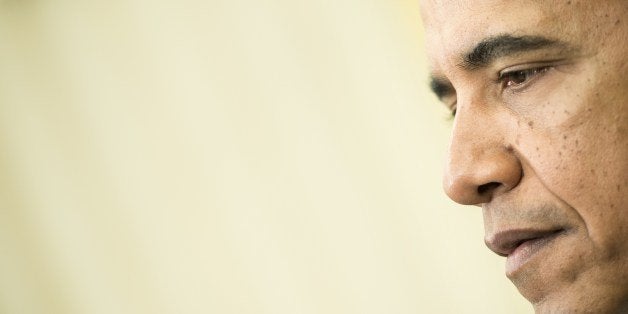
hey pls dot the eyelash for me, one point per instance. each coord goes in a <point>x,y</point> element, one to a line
<point>505,82</point>
<point>507,79</point>
<point>452,111</point>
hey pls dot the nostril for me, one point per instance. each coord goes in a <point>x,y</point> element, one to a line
<point>485,188</point>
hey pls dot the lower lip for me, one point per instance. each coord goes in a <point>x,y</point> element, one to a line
<point>525,251</point>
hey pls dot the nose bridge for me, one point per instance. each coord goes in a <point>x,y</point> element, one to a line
<point>480,161</point>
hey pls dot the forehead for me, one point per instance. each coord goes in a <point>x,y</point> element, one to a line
<point>454,26</point>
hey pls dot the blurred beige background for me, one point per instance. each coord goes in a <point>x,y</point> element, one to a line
<point>229,156</point>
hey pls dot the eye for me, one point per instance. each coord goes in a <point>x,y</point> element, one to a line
<point>452,109</point>
<point>519,78</point>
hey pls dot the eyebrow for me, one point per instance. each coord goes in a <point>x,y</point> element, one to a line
<point>490,49</point>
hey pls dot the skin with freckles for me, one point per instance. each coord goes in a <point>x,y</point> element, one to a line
<point>540,139</point>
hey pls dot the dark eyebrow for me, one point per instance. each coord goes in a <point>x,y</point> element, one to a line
<point>489,49</point>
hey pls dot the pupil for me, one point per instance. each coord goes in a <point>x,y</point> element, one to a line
<point>519,77</point>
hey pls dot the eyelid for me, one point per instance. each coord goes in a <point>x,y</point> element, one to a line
<point>453,108</point>
<point>543,68</point>
<point>529,66</point>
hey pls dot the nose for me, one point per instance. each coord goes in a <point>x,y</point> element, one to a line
<point>481,164</point>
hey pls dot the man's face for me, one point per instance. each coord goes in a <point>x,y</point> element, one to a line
<point>540,139</point>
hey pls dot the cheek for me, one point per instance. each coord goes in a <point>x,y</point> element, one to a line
<point>555,159</point>
<point>565,135</point>
<point>583,162</point>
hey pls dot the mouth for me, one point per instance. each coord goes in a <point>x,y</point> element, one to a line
<point>520,245</point>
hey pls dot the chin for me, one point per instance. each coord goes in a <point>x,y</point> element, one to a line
<point>584,295</point>
<point>582,304</point>
<point>567,275</point>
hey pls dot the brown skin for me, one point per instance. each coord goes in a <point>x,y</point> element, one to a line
<point>547,150</point>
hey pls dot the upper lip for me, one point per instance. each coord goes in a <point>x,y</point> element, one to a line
<point>505,242</point>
